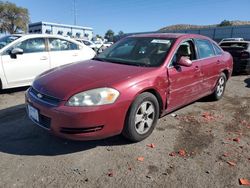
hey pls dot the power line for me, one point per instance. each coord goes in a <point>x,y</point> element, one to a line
<point>75,12</point>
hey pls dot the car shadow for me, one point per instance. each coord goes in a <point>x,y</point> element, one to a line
<point>13,90</point>
<point>20,136</point>
<point>247,81</point>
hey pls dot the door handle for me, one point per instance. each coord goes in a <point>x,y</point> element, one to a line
<point>75,54</point>
<point>44,58</point>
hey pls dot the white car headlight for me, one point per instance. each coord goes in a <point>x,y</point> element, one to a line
<point>94,97</point>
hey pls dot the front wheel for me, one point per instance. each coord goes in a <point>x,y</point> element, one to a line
<point>220,87</point>
<point>141,118</point>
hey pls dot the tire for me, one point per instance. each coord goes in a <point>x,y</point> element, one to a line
<point>220,87</point>
<point>141,118</point>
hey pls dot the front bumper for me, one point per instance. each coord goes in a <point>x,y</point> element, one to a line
<point>241,65</point>
<point>79,123</point>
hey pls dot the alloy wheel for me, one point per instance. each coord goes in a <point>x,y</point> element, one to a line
<point>144,117</point>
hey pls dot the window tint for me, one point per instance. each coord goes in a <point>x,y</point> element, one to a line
<point>218,51</point>
<point>32,45</point>
<point>205,48</point>
<point>61,45</point>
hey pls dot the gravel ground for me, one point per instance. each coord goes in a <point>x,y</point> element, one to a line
<point>207,144</point>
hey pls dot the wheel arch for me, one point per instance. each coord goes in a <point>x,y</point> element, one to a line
<point>157,95</point>
<point>226,72</point>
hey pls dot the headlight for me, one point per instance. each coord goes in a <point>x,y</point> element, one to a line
<point>94,97</point>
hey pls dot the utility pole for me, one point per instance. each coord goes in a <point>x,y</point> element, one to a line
<point>75,13</point>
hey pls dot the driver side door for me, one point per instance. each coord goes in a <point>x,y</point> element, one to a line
<point>184,82</point>
<point>21,69</point>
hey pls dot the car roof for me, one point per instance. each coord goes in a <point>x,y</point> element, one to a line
<point>235,41</point>
<point>171,35</point>
<point>231,38</point>
<point>29,36</point>
<point>42,35</point>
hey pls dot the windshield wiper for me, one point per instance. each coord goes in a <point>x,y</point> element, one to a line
<point>132,63</point>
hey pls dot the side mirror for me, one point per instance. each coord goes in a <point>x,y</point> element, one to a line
<point>17,51</point>
<point>185,62</point>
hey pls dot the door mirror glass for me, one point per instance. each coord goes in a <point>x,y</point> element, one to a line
<point>17,51</point>
<point>185,62</point>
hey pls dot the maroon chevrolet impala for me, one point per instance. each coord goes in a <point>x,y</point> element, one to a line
<point>129,86</point>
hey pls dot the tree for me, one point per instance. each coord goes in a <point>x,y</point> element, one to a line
<point>225,23</point>
<point>13,18</point>
<point>99,36</point>
<point>109,35</point>
<point>121,33</point>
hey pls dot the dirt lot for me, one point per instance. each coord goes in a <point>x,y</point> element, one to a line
<point>206,145</point>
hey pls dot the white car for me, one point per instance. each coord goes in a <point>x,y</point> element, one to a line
<point>88,43</point>
<point>98,44</point>
<point>23,57</point>
<point>108,44</point>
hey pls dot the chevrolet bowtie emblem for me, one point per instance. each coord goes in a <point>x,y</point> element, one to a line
<point>39,95</point>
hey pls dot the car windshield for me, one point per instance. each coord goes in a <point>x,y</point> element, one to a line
<point>138,51</point>
<point>7,39</point>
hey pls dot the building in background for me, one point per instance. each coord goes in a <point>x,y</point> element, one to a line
<point>61,29</point>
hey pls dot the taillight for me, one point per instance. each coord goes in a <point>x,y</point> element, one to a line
<point>245,55</point>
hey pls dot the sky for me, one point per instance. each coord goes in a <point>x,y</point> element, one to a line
<point>135,15</point>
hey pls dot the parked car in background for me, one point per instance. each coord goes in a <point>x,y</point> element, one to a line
<point>98,44</point>
<point>107,44</point>
<point>88,43</point>
<point>231,39</point>
<point>129,86</point>
<point>23,57</point>
<point>240,50</point>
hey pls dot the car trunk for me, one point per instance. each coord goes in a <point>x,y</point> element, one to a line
<point>237,50</point>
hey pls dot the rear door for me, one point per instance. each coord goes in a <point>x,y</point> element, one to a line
<point>22,69</point>
<point>63,52</point>
<point>185,82</point>
<point>210,64</point>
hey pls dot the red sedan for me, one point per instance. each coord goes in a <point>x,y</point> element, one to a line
<point>129,86</point>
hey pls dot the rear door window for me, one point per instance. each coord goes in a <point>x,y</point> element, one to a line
<point>56,44</point>
<point>205,48</point>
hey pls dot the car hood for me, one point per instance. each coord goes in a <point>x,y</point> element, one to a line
<point>65,81</point>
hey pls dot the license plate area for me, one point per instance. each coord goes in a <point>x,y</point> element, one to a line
<point>33,113</point>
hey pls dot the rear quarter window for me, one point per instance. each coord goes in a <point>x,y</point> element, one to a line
<point>217,49</point>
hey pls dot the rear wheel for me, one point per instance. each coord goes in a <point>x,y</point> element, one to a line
<point>141,118</point>
<point>220,87</point>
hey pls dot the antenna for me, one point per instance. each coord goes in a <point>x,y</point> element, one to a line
<point>75,12</point>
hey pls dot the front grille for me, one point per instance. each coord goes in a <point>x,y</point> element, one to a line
<point>44,121</point>
<point>44,98</point>
<point>80,130</point>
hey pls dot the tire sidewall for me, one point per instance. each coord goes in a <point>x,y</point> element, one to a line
<point>216,96</point>
<point>130,131</point>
